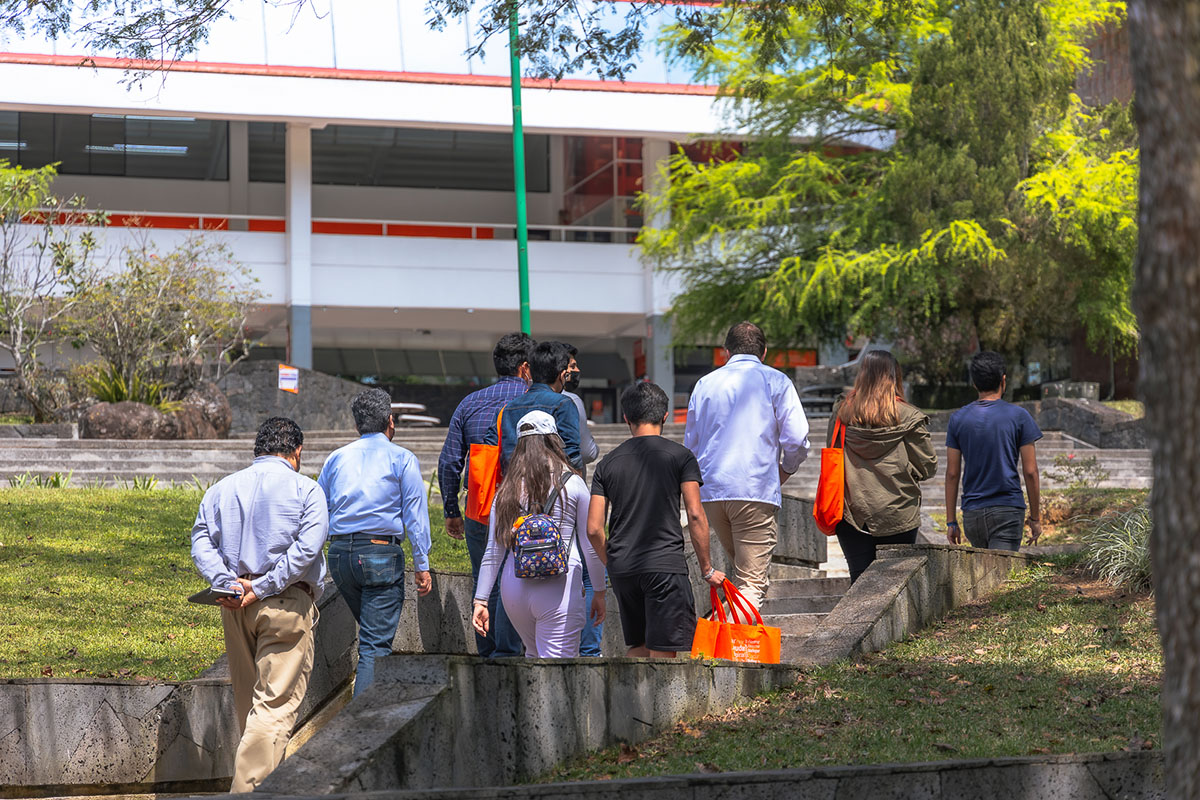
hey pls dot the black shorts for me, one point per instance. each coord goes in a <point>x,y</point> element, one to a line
<point>657,610</point>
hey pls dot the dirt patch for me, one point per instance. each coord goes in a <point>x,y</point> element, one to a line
<point>1082,582</point>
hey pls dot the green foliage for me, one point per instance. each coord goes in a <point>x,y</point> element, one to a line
<point>166,321</point>
<point>109,386</point>
<point>1118,549</point>
<point>44,269</point>
<point>1076,472</point>
<point>988,188</point>
<point>28,480</point>
<point>143,483</point>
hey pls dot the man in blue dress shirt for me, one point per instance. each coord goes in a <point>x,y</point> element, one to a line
<point>260,532</point>
<point>376,498</point>
<point>548,365</point>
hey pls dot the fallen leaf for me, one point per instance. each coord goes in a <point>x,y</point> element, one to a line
<point>1125,690</point>
<point>707,766</point>
<point>973,626</point>
<point>1091,647</point>
<point>979,651</point>
<point>170,636</point>
<point>627,754</point>
<point>948,748</point>
<point>1040,751</point>
<point>47,672</point>
<point>1061,628</point>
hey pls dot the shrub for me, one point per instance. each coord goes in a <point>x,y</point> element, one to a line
<point>1118,548</point>
<point>107,385</point>
<point>1076,472</point>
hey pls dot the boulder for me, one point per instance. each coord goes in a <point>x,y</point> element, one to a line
<point>203,414</point>
<point>124,420</point>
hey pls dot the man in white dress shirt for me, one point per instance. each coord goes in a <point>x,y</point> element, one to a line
<point>748,430</point>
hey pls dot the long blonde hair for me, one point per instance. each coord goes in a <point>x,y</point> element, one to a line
<point>537,462</point>
<point>877,388</point>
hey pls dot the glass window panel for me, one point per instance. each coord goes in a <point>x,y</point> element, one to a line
<point>176,147</point>
<point>266,151</point>
<point>10,137</point>
<point>37,134</point>
<point>105,145</point>
<point>72,135</point>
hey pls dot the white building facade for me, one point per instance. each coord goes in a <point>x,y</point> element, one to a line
<point>360,165</point>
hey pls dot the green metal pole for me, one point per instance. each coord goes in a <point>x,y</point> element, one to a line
<point>519,168</point>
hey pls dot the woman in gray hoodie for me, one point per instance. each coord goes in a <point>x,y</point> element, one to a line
<point>888,452</point>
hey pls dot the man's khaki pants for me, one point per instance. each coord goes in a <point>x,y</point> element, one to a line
<point>270,649</point>
<point>747,531</point>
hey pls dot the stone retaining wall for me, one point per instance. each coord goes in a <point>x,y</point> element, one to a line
<point>905,589</point>
<point>431,721</point>
<point>40,430</point>
<point>1095,776</point>
<point>323,402</point>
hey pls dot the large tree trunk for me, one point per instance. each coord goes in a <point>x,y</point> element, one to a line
<point>1165,48</point>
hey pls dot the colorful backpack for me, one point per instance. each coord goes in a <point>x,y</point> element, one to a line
<point>538,549</point>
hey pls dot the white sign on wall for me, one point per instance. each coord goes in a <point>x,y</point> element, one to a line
<point>289,379</point>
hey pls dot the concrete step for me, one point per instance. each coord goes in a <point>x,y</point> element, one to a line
<point>794,624</point>
<point>814,604</point>
<point>811,587</point>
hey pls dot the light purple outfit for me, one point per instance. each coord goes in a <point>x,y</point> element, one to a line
<point>548,613</point>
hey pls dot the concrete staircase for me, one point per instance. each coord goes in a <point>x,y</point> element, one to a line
<point>115,463</point>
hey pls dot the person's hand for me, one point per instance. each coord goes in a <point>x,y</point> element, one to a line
<point>479,617</point>
<point>953,532</point>
<point>454,528</point>
<point>424,583</point>
<point>1035,530</point>
<point>717,579</point>
<point>783,476</point>
<point>246,599</point>
<point>599,607</point>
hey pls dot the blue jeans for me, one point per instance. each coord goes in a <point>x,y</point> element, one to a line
<point>592,634</point>
<point>371,579</point>
<point>502,639</point>
<point>994,527</point>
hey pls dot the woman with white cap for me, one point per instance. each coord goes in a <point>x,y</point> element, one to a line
<point>547,612</point>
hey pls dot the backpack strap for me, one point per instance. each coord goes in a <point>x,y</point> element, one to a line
<point>558,487</point>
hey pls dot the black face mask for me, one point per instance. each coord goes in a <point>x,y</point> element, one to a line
<point>572,382</point>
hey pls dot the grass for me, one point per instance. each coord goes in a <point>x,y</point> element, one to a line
<point>96,584</point>
<point>15,419</point>
<point>1132,407</point>
<point>1056,662</point>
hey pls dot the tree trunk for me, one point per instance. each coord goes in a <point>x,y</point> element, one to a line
<point>1165,55</point>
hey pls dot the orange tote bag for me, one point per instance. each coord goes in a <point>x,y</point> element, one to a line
<point>704,642</point>
<point>831,486</point>
<point>483,476</point>
<point>751,642</point>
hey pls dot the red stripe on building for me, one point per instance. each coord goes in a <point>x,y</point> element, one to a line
<point>349,228</point>
<point>266,225</point>
<point>434,231</point>
<point>282,71</point>
<point>153,221</point>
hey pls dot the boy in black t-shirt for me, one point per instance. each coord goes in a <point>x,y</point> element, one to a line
<point>642,480</point>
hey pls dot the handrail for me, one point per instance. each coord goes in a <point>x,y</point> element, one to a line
<point>213,215</point>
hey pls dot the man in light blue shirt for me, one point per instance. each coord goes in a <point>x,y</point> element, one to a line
<point>261,532</point>
<point>376,498</point>
<point>749,433</point>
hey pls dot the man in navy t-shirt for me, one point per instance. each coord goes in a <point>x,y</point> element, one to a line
<point>985,443</point>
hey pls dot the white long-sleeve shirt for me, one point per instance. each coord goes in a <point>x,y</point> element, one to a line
<point>744,422</point>
<point>571,511</point>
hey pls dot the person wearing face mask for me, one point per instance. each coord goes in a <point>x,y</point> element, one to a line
<point>587,443</point>
<point>593,632</point>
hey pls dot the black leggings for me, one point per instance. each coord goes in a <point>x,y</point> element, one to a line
<point>859,547</point>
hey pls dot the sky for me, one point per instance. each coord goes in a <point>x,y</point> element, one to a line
<point>388,35</point>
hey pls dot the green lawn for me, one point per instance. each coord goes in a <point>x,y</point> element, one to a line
<point>1133,407</point>
<point>96,582</point>
<point>1054,663</point>
<point>15,419</point>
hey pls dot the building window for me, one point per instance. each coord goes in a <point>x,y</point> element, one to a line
<point>603,177</point>
<point>358,155</point>
<point>117,145</point>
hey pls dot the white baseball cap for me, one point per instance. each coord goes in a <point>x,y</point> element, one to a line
<point>536,422</point>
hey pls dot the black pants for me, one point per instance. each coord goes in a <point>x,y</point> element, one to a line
<point>859,547</point>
